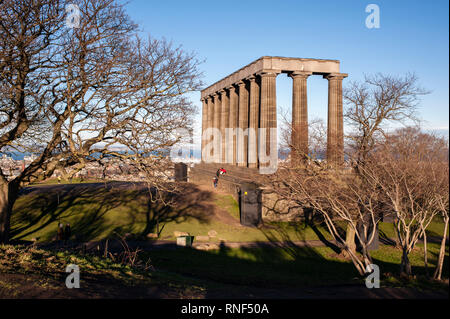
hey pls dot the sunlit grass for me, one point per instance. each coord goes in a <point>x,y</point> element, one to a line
<point>96,213</point>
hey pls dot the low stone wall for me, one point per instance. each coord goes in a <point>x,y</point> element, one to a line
<point>204,176</point>
<point>276,209</point>
<point>272,208</point>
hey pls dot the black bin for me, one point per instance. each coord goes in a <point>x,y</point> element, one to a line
<point>250,205</point>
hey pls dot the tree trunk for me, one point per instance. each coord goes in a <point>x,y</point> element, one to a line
<point>8,195</point>
<point>357,263</point>
<point>350,238</point>
<point>405,266</point>
<point>438,272</point>
<point>425,252</point>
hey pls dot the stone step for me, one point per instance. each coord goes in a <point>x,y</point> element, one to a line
<point>235,171</point>
<point>210,173</point>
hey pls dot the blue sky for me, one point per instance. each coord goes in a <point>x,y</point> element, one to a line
<point>413,37</point>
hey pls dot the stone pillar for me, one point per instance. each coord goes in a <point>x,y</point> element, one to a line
<point>253,123</point>
<point>299,135</point>
<point>204,125</point>
<point>210,116</point>
<point>335,134</point>
<point>268,118</point>
<point>216,124</point>
<point>242,145</point>
<point>232,124</point>
<point>225,109</point>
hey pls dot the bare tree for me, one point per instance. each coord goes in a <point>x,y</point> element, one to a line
<point>374,103</point>
<point>339,198</point>
<point>370,106</point>
<point>71,94</point>
<point>407,171</point>
<point>443,205</point>
<point>353,197</point>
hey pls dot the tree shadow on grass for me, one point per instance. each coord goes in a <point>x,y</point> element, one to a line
<point>189,202</point>
<point>384,239</point>
<point>263,271</point>
<point>290,241</point>
<point>81,205</point>
<point>88,208</point>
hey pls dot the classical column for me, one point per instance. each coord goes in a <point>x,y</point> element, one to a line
<point>242,145</point>
<point>299,135</point>
<point>335,134</point>
<point>216,125</point>
<point>210,116</point>
<point>232,125</point>
<point>268,119</point>
<point>204,125</point>
<point>253,123</point>
<point>224,121</point>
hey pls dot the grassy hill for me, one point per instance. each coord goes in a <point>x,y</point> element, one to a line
<point>97,211</point>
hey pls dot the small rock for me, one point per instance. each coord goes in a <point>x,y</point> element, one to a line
<point>180,233</point>
<point>152,235</point>
<point>207,247</point>
<point>212,247</point>
<point>202,238</point>
<point>212,233</point>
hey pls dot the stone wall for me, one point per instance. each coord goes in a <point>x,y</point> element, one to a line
<point>273,209</point>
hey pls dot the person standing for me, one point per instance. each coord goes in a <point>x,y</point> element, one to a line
<point>60,233</point>
<point>67,233</point>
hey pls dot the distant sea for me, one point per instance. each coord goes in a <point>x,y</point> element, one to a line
<point>196,154</point>
<point>16,155</point>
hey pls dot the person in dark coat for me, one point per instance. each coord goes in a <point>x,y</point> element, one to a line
<point>60,234</point>
<point>67,232</point>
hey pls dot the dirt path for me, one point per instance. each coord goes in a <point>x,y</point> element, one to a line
<point>29,286</point>
<point>34,287</point>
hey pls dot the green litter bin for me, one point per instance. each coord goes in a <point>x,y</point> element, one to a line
<point>185,241</point>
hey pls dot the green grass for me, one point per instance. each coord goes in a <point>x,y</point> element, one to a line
<point>30,260</point>
<point>228,203</point>
<point>93,214</point>
<point>96,213</point>
<point>435,229</point>
<point>260,267</point>
<point>40,270</point>
<point>276,267</point>
<point>192,273</point>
